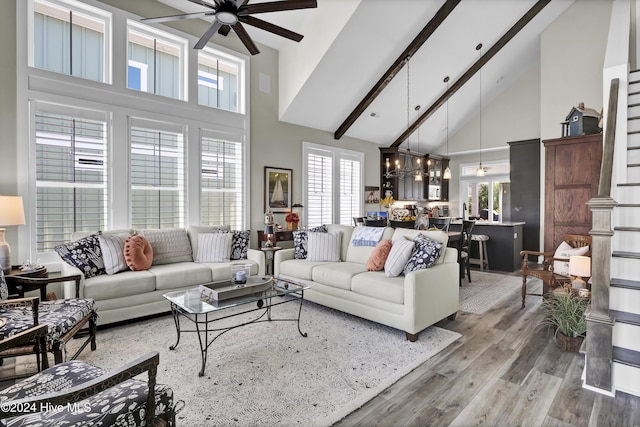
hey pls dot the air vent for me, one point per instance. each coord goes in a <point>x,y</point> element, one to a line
<point>374,115</point>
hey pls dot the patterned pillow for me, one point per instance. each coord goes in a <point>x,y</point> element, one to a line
<point>424,255</point>
<point>169,245</point>
<point>300,241</point>
<point>112,246</point>
<point>84,254</point>
<point>240,244</point>
<point>324,247</point>
<point>214,247</point>
<point>400,253</point>
<point>4,290</point>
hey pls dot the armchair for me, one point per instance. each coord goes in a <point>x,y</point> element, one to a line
<point>77,393</point>
<point>546,271</point>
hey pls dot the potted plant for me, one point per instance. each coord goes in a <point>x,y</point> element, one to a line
<point>567,314</point>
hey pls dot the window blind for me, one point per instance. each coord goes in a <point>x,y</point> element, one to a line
<point>71,177</point>
<point>319,188</point>
<point>157,178</point>
<point>222,198</point>
<point>350,190</point>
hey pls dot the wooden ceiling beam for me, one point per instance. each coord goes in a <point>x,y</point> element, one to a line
<point>399,63</point>
<point>511,33</point>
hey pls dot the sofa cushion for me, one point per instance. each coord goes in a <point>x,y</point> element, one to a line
<point>347,231</point>
<point>377,285</point>
<point>84,254</point>
<point>169,245</point>
<point>195,230</point>
<point>437,235</point>
<point>300,268</point>
<point>424,255</point>
<point>112,247</point>
<point>124,284</point>
<point>300,239</point>
<point>214,247</point>
<point>180,274</point>
<point>138,253</point>
<point>379,256</point>
<point>324,246</point>
<point>337,274</point>
<point>401,250</point>
<point>362,253</point>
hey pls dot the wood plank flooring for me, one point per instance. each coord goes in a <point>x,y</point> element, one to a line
<point>504,371</point>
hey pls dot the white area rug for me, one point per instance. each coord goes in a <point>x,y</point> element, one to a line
<point>486,290</point>
<point>267,374</point>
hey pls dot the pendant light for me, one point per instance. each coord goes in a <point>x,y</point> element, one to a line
<point>447,171</point>
<point>419,170</point>
<point>480,171</point>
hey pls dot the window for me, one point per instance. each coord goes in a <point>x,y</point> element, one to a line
<point>156,62</point>
<point>333,184</point>
<point>219,80</point>
<point>222,181</point>
<point>484,194</point>
<point>157,176</point>
<point>71,38</point>
<point>71,177</point>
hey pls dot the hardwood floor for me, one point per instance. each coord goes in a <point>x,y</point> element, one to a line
<point>504,371</point>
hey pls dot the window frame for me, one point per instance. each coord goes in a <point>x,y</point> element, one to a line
<point>209,53</point>
<point>496,172</point>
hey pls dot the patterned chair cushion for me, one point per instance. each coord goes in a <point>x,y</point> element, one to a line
<point>59,315</point>
<point>121,405</point>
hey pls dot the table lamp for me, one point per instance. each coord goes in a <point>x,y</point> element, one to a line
<point>579,266</point>
<point>11,213</point>
<point>268,227</point>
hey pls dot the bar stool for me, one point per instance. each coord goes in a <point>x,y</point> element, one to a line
<point>483,261</point>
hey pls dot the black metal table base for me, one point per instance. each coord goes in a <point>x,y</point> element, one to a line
<point>202,321</point>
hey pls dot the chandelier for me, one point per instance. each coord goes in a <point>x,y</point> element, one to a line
<point>399,171</point>
<point>447,170</point>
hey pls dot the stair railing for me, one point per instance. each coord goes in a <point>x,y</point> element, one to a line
<point>599,339</point>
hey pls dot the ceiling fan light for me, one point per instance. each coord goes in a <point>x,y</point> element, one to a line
<point>447,173</point>
<point>226,18</point>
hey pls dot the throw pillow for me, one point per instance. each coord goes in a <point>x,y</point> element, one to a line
<point>169,245</point>
<point>84,254</point>
<point>214,247</point>
<point>565,250</point>
<point>400,253</point>
<point>379,256</point>
<point>300,241</point>
<point>4,289</point>
<point>324,247</point>
<point>240,244</point>
<point>112,247</point>
<point>424,255</point>
<point>138,253</point>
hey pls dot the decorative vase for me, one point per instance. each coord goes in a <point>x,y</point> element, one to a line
<point>292,226</point>
<point>569,344</point>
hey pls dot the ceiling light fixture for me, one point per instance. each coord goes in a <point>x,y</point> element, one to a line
<point>226,18</point>
<point>480,171</point>
<point>419,170</point>
<point>447,171</point>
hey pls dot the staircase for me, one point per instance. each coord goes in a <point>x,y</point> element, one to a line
<point>624,295</point>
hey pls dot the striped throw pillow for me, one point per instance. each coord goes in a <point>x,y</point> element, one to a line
<point>324,247</point>
<point>214,247</point>
<point>400,253</point>
<point>112,247</point>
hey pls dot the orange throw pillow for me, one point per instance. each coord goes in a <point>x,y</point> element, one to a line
<point>379,256</point>
<point>138,253</point>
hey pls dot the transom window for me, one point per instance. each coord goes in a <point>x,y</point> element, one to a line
<point>70,37</point>
<point>219,80</point>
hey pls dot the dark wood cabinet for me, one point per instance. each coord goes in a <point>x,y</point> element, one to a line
<point>524,190</point>
<point>572,172</point>
<point>436,188</point>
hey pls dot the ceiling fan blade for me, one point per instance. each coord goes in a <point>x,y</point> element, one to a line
<point>244,37</point>
<point>276,6</point>
<point>206,4</point>
<point>207,35</point>
<point>224,30</point>
<point>177,17</point>
<point>272,28</point>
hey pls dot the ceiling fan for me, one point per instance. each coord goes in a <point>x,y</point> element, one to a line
<point>233,13</point>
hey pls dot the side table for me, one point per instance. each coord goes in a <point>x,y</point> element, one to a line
<point>19,281</point>
<point>269,255</point>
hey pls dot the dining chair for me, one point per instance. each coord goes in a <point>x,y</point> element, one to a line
<point>465,253</point>
<point>439,223</point>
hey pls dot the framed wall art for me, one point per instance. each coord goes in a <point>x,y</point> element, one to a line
<point>277,189</point>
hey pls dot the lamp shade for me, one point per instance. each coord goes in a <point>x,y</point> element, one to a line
<point>297,205</point>
<point>268,229</point>
<point>580,266</point>
<point>11,211</point>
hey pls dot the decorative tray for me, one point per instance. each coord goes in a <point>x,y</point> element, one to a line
<point>220,291</point>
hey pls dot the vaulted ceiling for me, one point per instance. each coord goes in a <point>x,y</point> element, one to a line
<point>349,45</point>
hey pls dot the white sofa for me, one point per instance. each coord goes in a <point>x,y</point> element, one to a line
<point>131,294</point>
<point>410,303</point>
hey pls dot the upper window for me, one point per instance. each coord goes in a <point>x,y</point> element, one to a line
<point>71,176</point>
<point>156,61</point>
<point>219,80</point>
<point>157,175</point>
<point>222,196</point>
<point>71,38</point>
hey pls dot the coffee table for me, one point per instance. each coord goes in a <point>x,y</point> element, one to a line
<point>203,312</point>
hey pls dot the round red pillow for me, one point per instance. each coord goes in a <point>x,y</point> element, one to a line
<point>138,253</point>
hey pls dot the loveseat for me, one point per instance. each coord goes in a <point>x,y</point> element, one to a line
<point>128,294</point>
<point>410,302</point>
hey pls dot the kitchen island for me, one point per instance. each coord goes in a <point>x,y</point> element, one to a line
<point>504,245</point>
